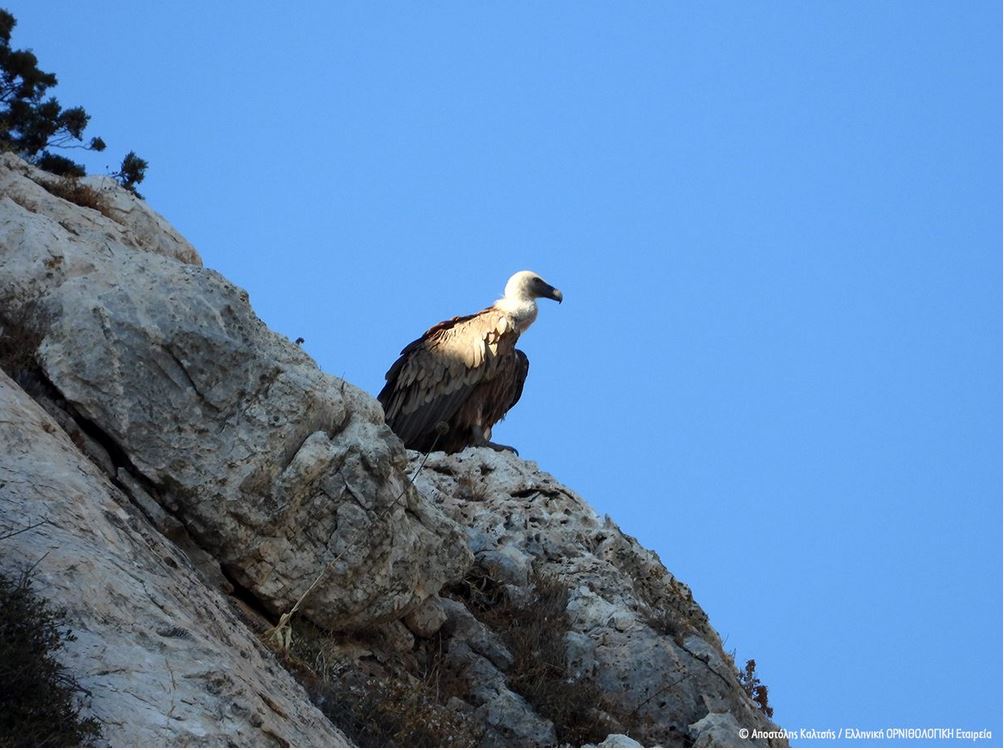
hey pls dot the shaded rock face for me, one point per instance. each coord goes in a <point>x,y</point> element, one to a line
<point>190,464</point>
<point>633,630</point>
<point>163,659</point>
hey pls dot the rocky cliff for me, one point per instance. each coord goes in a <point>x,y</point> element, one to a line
<point>248,556</point>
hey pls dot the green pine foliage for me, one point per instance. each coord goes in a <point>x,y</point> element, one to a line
<point>32,123</point>
<point>132,171</point>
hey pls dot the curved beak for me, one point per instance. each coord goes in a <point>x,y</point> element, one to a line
<point>541,288</point>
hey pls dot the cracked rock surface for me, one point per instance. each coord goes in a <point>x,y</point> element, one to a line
<point>163,659</point>
<point>634,631</point>
<point>243,467</point>
<point>178,450</point>
<point>277,470</point>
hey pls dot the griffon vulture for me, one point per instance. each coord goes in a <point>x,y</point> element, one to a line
<point>448,388</point>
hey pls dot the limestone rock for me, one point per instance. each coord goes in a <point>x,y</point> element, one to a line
<point>476,656</point>
<point>465,627</point>
<point>127,220</point>
<point>162,657</point>
<point>189,452</point>
<point>619,740</point>
<point>285,475</point>
<point>427,619</point>
<point>718,730</point>
<point>635,632</point>
<point>508,720</point>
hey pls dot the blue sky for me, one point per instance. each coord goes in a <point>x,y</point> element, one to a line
<point>778,231</point>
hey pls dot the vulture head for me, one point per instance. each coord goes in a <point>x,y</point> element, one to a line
<point>526,285</point>
<point>521,294</point>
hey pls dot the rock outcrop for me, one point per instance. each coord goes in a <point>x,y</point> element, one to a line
<point>195,476</point>
<point>275,469</point>
<point>633,630</point>
<point>164,659</point>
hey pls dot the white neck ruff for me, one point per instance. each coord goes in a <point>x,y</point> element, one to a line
<point>522,311</point>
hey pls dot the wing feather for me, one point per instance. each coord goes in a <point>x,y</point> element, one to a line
<point>437,373</point>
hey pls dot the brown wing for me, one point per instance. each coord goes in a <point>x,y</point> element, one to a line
<point>437,373</point>
<point>491,399</point>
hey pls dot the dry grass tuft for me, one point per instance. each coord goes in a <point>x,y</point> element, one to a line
<point>469,488</point>
<point>534,631</point>
<point>73,190</point>
<point>376,706</point>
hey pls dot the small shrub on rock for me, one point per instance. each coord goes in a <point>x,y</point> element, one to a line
<point>754,688</point>
<point>377,706</point>
<point>534,631</point>
<point>39,699</point>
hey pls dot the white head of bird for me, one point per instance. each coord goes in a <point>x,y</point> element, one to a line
<point>519,301</point>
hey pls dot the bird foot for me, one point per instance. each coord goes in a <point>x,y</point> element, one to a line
<point>500,447</point>
<point>480,439</point>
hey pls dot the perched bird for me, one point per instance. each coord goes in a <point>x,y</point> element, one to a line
<point>448,388</point>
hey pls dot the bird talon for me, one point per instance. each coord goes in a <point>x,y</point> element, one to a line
<point>500,447</point>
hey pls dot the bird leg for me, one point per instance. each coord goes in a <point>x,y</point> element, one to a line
<point>481,441</point>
